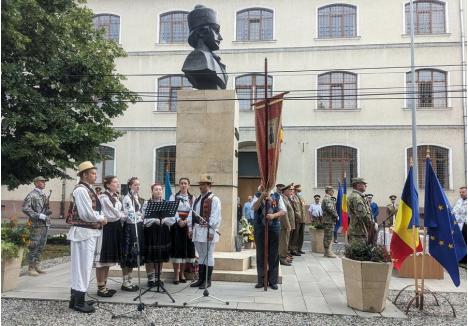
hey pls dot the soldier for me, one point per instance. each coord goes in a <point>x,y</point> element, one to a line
<point>330,216</point>
<point>359,213</point>
<point>295,233</point>
<point>35,207</point>
<point>285,223</point>
<point>303,220</point>
<point>392,209</point>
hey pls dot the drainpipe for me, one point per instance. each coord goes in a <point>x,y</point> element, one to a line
<point>463,74</point>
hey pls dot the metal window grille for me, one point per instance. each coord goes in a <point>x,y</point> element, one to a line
<point>105,166</point>
<point>440,163</point>
<point>165,161</point>
<point>337,90</point>
<point>333,162</point>
<point>431,88</point>
<point>251,88</point>
<point>254,24</point>
<point>173,27</point>
<point>167,91</point>
<point>429,17</point>
<point>336,21</point>
<point>110,24</point>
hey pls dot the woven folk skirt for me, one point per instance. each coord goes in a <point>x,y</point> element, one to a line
<point>129,247</point>
<point>110,244</point>
<point>157,243</point>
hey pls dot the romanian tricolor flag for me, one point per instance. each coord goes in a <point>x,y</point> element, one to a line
<point>403,242</point>
<point>344,209</point>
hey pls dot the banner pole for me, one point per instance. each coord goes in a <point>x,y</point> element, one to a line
<point>265,238</point>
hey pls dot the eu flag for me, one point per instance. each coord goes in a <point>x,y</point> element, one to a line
<point>446,242</point>
<point>339,199</point>
<point>167,186</point>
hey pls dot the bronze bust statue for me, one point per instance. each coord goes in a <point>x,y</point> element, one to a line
<point>202,67</point>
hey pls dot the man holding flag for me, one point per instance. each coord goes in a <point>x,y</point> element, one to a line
<point>446,242</point>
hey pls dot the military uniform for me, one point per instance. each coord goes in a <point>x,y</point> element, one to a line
<point>330,216</point>
<point>34,208</point>
<point>360,217</point>
<point>303,220</point>
<point>295,237</point>
<point>392,210</point>
<point>285,222</point>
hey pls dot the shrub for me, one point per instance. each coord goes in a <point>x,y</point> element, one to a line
<point>14,236</point>
<point>367,252</point>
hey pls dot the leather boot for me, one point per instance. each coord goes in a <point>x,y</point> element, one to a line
<point>32,270</point>
<point>328,253</point>
<point>80,304</point>
<point>72,300</point>
<point>210,271</point>
<point>201,276</point>
<point>39,269</point>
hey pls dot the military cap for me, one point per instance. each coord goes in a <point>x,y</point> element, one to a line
<point>297,186</point>
<point>289,186</point>
<point>370,195</point>
<point>392,197</point>
<point>334,198</point>
<point>280,186</point>
<point>39,178</point>
<point>317,196</point>
<point>358,180</point>
<point>327,188</point>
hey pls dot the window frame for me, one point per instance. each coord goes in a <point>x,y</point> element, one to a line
<point>155,162</point>
<point>446,18</point>
<point>159,98</point>
<point>408,89</point>
<point>120,24</point>
<point>330,108</point>
<point>102,165</point>
<point>424,148</point>
<point>253,90</point>
<point>158,31</point>
<point>356,21</point>
<point>236,25</point>
<point>349,177</point>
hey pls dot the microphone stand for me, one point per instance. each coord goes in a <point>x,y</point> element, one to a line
<point>205,292</point>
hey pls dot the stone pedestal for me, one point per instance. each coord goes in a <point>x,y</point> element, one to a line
<point>206,142</point>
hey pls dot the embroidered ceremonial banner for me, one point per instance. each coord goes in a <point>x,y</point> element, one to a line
<point>273,141</point>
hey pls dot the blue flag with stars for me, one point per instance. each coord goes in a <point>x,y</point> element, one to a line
<point>446,242</point>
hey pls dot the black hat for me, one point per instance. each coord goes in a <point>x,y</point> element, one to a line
<point>280,186</point>
<point>317,196</point>
<point>201,16</point>
<point>392,197</point>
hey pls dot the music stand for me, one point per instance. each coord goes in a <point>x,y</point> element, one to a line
<point>159,210</point>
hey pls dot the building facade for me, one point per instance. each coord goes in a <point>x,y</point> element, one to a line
<point>346,66</point>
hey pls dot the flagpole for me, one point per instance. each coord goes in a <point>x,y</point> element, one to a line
<point>413,99</point>
<point>415,266</point>
<point>421,303</point>
<point>265,238</point>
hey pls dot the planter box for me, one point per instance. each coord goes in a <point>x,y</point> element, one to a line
<point>316,240</point>
<point>249,245</point>
<point>11,271</point>
<point>366,284</point>
<point>432,268</point>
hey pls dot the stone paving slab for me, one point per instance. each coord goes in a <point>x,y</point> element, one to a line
<point>313,284</point>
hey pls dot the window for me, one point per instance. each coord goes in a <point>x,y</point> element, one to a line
<point>254,24</point>
<point>431,88</point>
<point>167,91</point>
<point>333,162</point>
<point>173,27</point>
<point>251,88</point>
<point>337,90</point>
<point>165,161</point>
<point>440,163</point>
<point>337,21</point>
<point>429,17</point>
<point>110,24</point>
<point>105,166</point>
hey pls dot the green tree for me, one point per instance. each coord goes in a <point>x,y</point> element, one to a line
<point>59,89</point>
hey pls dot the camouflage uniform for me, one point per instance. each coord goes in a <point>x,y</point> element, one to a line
<point>33,206</point>
<point>360,217</point>
<point>330,216</point>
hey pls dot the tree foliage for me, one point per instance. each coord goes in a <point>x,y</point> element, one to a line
<point>59,89</point>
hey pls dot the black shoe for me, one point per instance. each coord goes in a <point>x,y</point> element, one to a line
<point>258,285</point>
<point>301,252</point>
<point>80,304</point>
<point>335,241</point>
<point>285,263</point>
<point>105,293</point>
<point>202,285</point>
<point>201,277</point>
<point>151,284</point>
<point>183,280</point>
<point>295,253</point>
<point>131,288</point>
<point>274,286</point>
<point>176,282</point>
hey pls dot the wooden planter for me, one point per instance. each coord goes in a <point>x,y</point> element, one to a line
<point>11,272</point>
<point>366,284</point>
<point>316,240</point>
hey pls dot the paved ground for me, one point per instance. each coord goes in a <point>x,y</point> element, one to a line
<point>313,284</point>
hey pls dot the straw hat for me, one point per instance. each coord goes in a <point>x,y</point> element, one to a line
<point>205,178</point>
<point>85,166</point>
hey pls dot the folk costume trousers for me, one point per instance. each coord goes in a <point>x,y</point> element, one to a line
<point>82,256</point>
<point>205,257</point>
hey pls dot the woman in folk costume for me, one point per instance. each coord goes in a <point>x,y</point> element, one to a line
<point>157,244</point>
<point>109,244</point>
<point>132,204</point>
<point>183,249</point>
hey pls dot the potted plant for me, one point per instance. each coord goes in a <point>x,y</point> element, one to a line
<point>247,233</point>
<point>367,270</point>
<point>14,239</point>
<point>316,236</point>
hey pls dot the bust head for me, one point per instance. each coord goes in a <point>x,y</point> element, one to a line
<point>204,28</point>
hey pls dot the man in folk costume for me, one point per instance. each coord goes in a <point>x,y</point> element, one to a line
<point>86,222</point>
<point>35,207</point>
<point>208,206</point>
